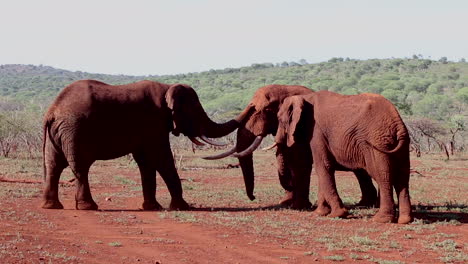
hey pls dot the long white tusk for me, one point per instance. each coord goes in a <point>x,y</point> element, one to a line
<point>221,155</point>
<point>270,147</point>
<point>196,142</point>
<point>250,149</point>
<point>212,142</point>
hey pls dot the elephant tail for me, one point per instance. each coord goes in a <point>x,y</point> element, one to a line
<point>45,131</point>
<point>401,142</point>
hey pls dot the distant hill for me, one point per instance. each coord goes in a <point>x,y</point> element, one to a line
<point>437,89</point>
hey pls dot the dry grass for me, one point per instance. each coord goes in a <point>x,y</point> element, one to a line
<point>438,193</point>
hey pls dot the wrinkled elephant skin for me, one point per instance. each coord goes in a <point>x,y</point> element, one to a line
<point>90,120</point>
<point>363,133</point>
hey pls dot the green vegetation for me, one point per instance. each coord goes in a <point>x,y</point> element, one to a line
<point>432,95</point>
<point>417,86</point>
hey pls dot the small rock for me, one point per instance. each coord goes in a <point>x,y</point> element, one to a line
<point>108,199</point>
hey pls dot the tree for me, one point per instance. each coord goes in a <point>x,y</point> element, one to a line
<point>420,128</point>
<point>462,95</point>
<point>444,60</point>
<point>457,124</point>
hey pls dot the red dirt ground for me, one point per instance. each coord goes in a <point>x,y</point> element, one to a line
<point>120,233</point>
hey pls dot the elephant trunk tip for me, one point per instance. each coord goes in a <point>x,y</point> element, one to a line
<point>251,196</point>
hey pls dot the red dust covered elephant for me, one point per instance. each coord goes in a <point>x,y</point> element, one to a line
<point>90,120</point>
<point>258,120</point>
<point>362,133</point>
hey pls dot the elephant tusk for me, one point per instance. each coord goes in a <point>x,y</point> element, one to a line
<point>221,155</point>
<point>252,148</point>
<point>270,147</point>
<point>196,141</point>
<point>212,142</point>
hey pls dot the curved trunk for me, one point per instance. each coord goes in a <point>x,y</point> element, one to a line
<point>246,164</point>
<point>244,140</point>
<point>214,130</point>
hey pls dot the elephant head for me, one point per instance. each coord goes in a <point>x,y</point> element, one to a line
<point>258,120</point>
<point>190,119</point>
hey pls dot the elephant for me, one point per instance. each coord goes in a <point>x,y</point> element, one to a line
<point>258,120</point>
<point>91,120</point>
<point>362,133</point>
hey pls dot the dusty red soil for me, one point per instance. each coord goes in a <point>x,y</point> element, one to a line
<point>120,233</point>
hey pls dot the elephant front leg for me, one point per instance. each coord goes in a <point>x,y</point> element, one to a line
<point>327,187</point>
<point>368,191</point>
<point>148,182</point>
<point>167,170</point>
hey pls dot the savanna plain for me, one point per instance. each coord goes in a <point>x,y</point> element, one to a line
<point>224,225</point>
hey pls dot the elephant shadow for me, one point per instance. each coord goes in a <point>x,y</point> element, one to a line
<point>441,213</point>
<point>427,213</point>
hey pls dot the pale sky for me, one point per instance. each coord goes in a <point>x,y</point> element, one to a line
<point>142,37</point>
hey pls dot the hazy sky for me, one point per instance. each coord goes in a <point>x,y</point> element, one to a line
<point>141,37</point>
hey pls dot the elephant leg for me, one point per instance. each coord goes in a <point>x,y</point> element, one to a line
<point>323,208</point>
<point>368,191</point>
<point>285,178</point>
<point>54,163</point>
<point>386,211</point>
<point>148,182</point>
<point>401,184</point>
<point>327,185</point>
<point>167,170</point>
<point>83,198</point>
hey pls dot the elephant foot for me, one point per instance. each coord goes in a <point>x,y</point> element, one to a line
<point>86,205</point>
<point>322,211</point>
<point>383,218</point>
<point>179,205</point>
<point>404,219</point>
<point>301,205</point>
<point>339,212</point>
<point>151,206</point>
<point>52,204</point>
<point>287,200</point>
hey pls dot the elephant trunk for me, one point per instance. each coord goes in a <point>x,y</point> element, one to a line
<point>214,130</point>
<point>246,164</point>
<point>244,140</point>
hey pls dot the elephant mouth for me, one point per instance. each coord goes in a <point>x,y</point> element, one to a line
<point>233,151</point>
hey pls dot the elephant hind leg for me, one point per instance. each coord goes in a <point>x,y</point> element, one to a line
<point>386,211</point>
<point>54,164</point>
<point>83,198</point>
<point>404,204</point>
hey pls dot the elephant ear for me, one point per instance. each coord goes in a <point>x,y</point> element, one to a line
<point>289,117</point>
<point>175,99</point>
